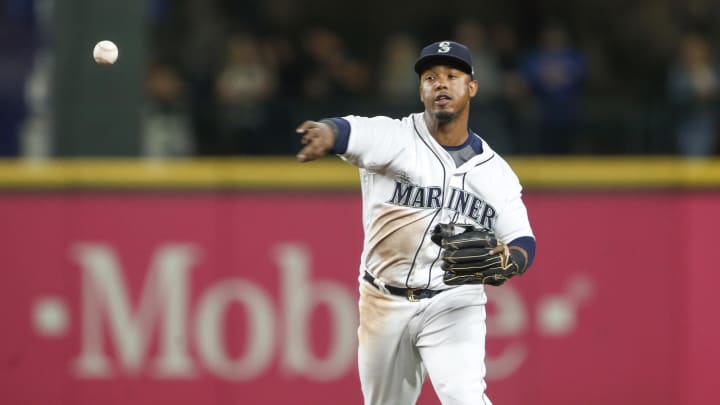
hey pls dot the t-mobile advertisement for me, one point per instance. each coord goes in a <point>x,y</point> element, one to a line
<point>251,298</point>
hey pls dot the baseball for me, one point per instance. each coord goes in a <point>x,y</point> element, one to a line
<point>105,53</point>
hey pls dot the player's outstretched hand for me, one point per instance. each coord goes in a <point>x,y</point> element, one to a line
<point>318,139</point>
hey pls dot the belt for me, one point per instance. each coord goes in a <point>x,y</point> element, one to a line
<point>412,294</point>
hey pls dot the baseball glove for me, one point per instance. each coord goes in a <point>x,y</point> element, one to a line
<point>475,256</point>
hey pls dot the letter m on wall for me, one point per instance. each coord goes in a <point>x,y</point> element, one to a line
<point>161,306</point>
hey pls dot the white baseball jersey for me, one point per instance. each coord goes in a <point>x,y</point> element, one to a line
<point>410,183</point>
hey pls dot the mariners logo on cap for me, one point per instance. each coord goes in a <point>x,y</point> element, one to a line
<point>445,52</point>
<point>444,47</point>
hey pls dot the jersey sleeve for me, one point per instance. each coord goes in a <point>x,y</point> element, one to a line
<point>373,142</point>
<point>513,221</point>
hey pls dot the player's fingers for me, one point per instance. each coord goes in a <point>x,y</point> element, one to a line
<point>308,136</point>
<point>309,152</point>
<point>305,127</point>
<point>304,154</point>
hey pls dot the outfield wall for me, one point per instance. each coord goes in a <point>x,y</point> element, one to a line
<point>223,282</point>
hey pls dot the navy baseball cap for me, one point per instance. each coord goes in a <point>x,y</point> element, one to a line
<point>445,52</point>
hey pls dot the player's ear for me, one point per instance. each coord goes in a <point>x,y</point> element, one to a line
<point>473,87</point>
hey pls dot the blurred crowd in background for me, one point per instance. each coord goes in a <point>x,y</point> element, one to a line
<point>234,77</point>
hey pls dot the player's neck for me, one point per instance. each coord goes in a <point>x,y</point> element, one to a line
<point>447,133</point>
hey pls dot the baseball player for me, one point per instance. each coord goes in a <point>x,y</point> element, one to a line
<point>443,217</point>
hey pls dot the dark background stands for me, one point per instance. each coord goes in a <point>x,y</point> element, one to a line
<point>233,78</point>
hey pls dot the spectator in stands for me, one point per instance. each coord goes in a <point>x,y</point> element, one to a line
<point>555,73</point>
<point>693,89</point>
<point>397,89</point>
<point>518,110</point>
<point>331,69</point>
<point>166,124</point>
<point>243,87</point>
<point>17,42</point>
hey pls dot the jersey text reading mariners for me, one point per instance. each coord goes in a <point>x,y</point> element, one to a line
<point>460,201</point>
<point>410,183</point>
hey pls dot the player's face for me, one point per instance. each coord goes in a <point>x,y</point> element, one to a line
<point>446,91</point>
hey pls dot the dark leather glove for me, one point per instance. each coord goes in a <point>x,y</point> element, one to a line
<point>475,256</point>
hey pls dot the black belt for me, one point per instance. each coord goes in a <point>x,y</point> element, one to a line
<point>412,294</point>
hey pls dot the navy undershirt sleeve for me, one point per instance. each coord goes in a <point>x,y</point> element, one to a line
<point>341,129</point>
<point>527,243</point>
